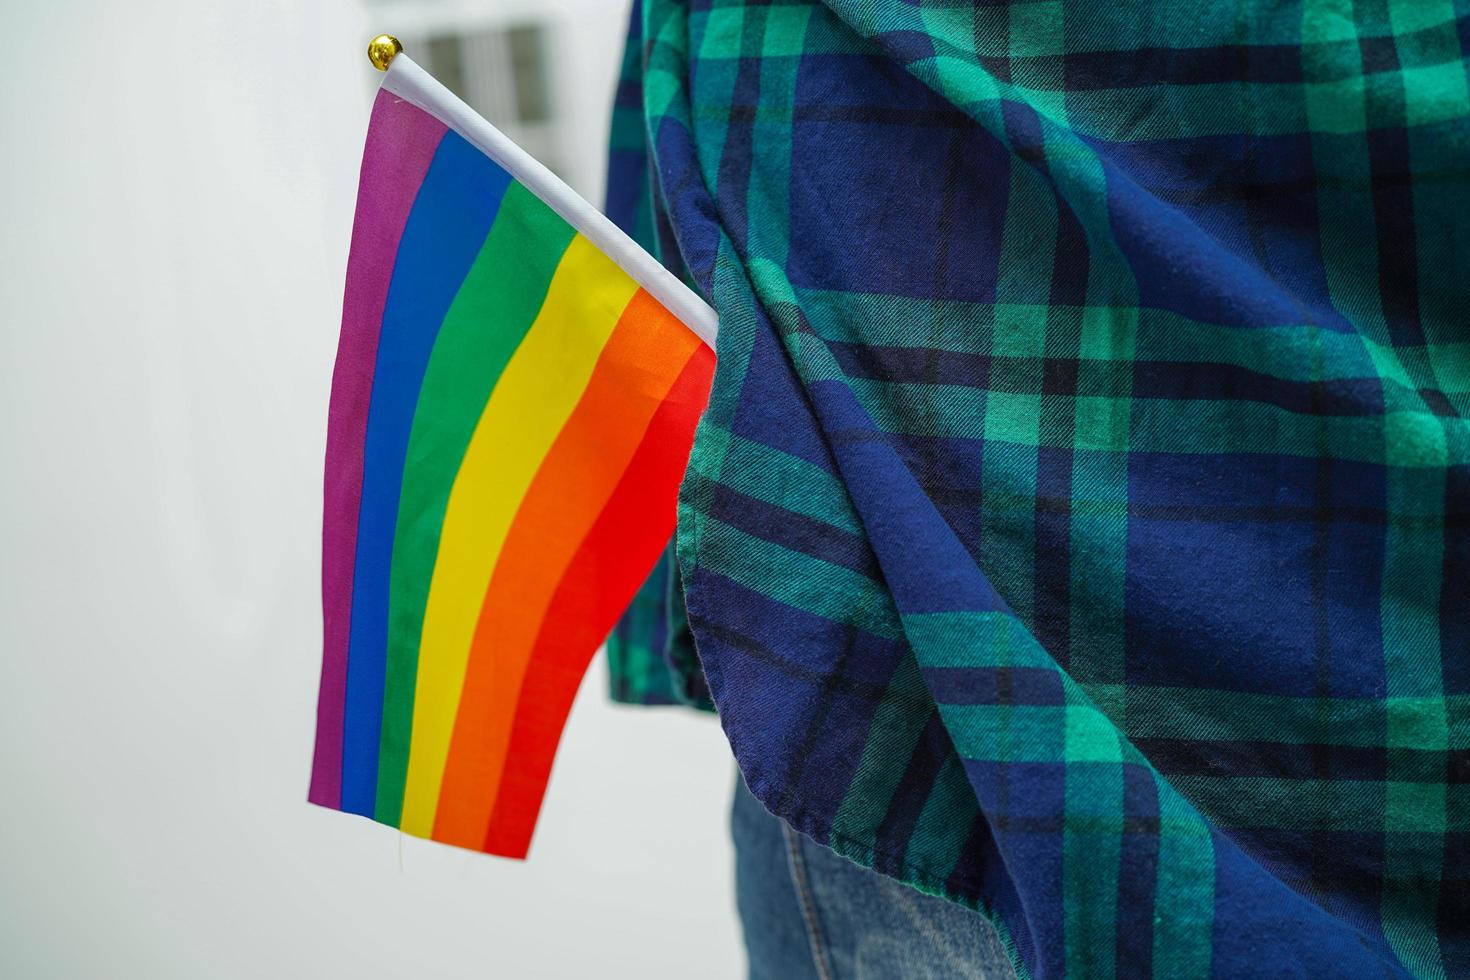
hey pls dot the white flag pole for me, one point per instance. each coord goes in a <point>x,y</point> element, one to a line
<point>409,82</point>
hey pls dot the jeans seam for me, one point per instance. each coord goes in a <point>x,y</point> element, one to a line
<point>807,901</point>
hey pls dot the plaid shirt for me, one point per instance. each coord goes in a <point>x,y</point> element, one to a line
<point>1080,525</point>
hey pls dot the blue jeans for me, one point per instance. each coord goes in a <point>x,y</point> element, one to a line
<point>809,913</point>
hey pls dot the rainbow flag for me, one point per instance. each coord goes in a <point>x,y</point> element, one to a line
<point>515,396</point>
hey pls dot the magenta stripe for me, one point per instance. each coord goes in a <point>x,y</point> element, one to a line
<point>401,142</point>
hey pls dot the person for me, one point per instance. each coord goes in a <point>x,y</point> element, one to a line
<point>1076,540</point>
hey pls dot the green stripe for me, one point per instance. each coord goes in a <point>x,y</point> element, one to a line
<point>1092,846</point>
<point>1401,808</point>
<point>806,583</point>
<point>788,482</point>
<point>893,735</point>
<point>1226,716</point>
<point>1184,902</point>
<point>946,820</point>
<point>1126,335</point>
<point>1412,439</point>
<point>492,312</point>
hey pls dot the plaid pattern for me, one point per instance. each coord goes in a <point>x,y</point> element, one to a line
<point>651,656</point>
<point>1080,526</point>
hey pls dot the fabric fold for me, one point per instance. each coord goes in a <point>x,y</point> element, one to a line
<point>1086,383</point>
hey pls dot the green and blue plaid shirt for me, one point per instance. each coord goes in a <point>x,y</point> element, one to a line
<point>1080,525</point>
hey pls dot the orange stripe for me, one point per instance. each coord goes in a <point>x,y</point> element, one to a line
<point>614,559</point>
<point>634,373</point>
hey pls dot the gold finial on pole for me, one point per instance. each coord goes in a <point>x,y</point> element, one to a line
<point>382,50</point>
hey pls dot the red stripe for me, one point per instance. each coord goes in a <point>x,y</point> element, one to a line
<point>612,562</point>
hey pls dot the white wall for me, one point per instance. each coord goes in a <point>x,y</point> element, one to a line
<point>178,183</point>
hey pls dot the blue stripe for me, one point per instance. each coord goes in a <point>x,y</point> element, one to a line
<point>446,228</point>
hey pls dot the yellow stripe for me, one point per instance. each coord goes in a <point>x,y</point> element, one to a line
<point>528,407</point>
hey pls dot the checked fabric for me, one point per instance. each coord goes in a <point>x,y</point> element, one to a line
<point>1080,526</point>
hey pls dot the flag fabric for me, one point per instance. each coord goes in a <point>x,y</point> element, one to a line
<point>516,390</point>
<point>1080,525</point>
